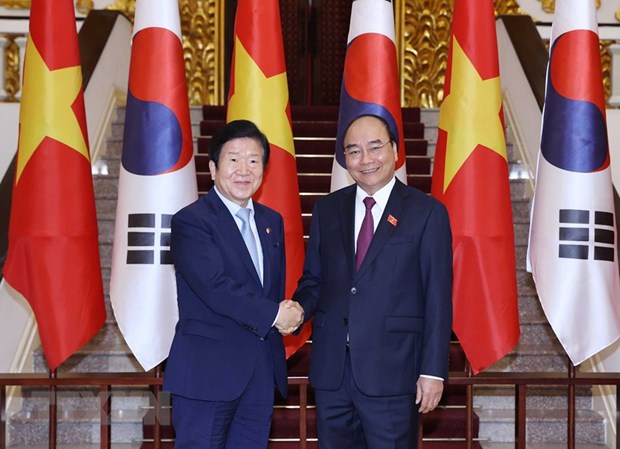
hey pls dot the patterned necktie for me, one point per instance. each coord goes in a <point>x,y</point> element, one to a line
<point>248,236</point>
<point>366,232</point>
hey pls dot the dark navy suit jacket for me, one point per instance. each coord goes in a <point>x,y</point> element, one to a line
<point>396,310</point>
<point>224,311</point>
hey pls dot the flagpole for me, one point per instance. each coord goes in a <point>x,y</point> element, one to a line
<point>571,407</point>
<point>53,410</point>
<point>157,410</point>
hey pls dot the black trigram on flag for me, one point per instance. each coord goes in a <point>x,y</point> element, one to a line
<point>580,238</point>
<point>148,239</point>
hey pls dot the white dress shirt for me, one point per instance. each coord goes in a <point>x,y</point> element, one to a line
<point>233,208</point>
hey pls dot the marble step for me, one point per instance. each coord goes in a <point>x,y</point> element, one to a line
<point>511,445</point>
<point>543,426</point>
<point>29,428</point>
<point>542,397</point>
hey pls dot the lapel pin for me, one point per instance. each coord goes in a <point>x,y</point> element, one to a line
<point>393,221</point>
<point>268,230</point>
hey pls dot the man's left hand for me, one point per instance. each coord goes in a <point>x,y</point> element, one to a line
<point>428,393</point>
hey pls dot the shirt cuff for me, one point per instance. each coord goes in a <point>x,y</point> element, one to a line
<point>276,319</point>
<point>431,377</point>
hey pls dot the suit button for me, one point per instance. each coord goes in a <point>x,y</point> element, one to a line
<point>345,321</point>
<point>353,291</point>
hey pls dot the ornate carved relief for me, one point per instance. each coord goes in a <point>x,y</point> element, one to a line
<point>81,5</point>
<point>15,4</point>
<point>606,62</point>
<point>11,68</point>
<point>425,29</point>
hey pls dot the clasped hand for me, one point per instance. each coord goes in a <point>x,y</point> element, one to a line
<point>290,317</point>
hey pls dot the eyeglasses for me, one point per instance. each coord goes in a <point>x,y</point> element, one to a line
<point>374,149</point>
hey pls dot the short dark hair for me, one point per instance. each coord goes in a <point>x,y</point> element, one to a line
<point>235,130</point>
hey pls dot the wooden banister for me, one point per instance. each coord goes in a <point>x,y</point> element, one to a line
<point>154,379</point>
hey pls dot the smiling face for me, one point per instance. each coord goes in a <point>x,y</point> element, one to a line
<point>240,169</point>
<point>369,153</point>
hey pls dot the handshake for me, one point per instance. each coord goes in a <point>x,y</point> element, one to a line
<point>290,317</point>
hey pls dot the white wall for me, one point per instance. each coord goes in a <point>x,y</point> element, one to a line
<point>9,122</point>
<point>609,359</point>
<point>606,12</point>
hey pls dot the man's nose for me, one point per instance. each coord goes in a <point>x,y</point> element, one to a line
<point>244,167</point>
<point>366,157</point>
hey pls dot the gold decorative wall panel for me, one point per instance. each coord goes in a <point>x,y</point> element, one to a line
<point>11,67</point>
<point>424,30</point>
<point>81,5</point>
<point>17,4</point>
<point>202,24</point>
<point>606,67</point>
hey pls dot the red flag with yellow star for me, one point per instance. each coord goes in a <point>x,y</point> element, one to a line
<point>53,255</point>
<point>259,92</point>
<point>471,178</point>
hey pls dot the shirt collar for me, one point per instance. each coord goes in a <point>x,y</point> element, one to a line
<point>381,196</point>
<point>232,207</point>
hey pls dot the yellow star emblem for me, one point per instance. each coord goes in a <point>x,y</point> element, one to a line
<point>470,114</point>
<point>45,109</point>
<point>260,99</point>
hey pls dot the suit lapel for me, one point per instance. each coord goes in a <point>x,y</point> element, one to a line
<point>385,228</point>
<point>262,226</point>
<point>230,231</point>
<point>347,225</point>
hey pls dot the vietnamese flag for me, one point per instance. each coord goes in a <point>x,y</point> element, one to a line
<point>259,92</point>
<point>53,255</point>
<point>471,178</point>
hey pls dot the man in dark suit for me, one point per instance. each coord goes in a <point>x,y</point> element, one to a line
<point>227,353</point>
<point>378,281</point>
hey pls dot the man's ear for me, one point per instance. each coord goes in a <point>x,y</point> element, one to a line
<point>212,169</point>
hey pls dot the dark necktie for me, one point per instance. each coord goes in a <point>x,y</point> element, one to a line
<point>366,232</point>
<point>248,236</point>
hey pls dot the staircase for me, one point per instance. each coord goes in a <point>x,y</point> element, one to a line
<point>315,131</point>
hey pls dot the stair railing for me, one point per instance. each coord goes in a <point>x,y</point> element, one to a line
<point>154,380</point>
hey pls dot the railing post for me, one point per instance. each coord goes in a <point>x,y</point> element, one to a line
<point>105,398</point>
<point>469,409</point>
<point>570,438</point>
<point>520,415</point>
<point>617,416</point>
<point>3,416</point>
<point>303,408</point>
<point>420,433</point>
<point>53,422</point>
<point>157,410</point>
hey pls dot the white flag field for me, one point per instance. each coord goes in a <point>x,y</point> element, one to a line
<point>572,251</point>
<point>157,178</point>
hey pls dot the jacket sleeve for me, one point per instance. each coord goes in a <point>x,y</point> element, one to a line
<point>308,288</point>
<point>436,263</point>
